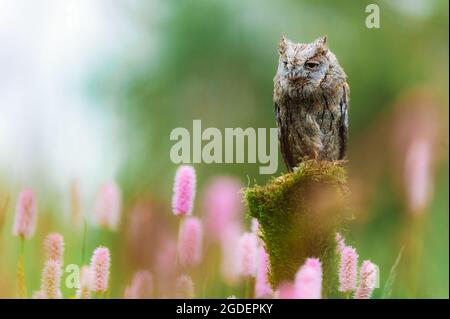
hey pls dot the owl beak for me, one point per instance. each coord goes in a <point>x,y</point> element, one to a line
<point>293,76</point>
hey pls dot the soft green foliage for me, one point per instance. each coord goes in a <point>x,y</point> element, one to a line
<point>298,215</point>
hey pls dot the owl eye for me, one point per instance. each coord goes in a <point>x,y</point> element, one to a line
<point>285,64</point>
<point>311,64</point>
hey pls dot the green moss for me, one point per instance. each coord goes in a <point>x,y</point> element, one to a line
<point>298,215</point>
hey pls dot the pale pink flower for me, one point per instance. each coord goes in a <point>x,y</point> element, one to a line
<point>165,258</point>
<point>308,280</point>
<point>108,205</point>
<point>26,214</point>
<point>255,226</point>
<point>184,287</point>
<point>54,247</point>
<point>190,242</point>
<point>255,229</point>
<point>340,243</point>
<point>222,205</point>
<point>128,293</point>
<point>51,280</point>
<point>141,228</point>
<point>348,270</point>
<point>262,286</point>
<point>86,283</point>
<point>38,295</point>
<point>141,286</point>
<point>184,191</point>
<point>100,263</point>
<point>247,254</point>
<point>286,291</point>
<point>229,254</point>
<point>367,280</point>
<point>418,174</point>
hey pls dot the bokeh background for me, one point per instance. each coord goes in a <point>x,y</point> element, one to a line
<point>90,91</point>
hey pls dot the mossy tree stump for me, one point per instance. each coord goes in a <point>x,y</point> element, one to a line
<point>299,214</point>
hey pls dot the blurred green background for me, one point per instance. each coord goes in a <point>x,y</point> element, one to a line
<point>215,61</point>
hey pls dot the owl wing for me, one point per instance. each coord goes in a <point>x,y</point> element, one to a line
<point>343,125</point>
<point>283,139</point>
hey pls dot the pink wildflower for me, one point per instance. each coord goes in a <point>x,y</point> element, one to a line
<point>222,205</point>
<point>367,280</point>
<point>308,280</point>
<point>418,174</point>
<point>262,286</point>
<point>340,243</point>
<point>255,226</point>
<point>184,287</point>
<point>348,270</point>
<point>38,295</point>
<point>54,247</point>
<point>51,280</point>
<point>286,291</point>
<point>229,266</point>
<point>165,258</point>
<point>86,283</point>
<point>141,286</point>
<point>247,254</point>
<point>190,242</point>
<point>184,191</point>
<point>26,214</point>
<point>100,264</point>
<point>108,206</point>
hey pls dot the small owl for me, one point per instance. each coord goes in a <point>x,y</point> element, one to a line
<point>311,97</point>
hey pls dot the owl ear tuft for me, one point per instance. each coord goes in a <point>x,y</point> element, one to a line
<point>322,41</point>
<point>321,44</point>
<point>282,45</point>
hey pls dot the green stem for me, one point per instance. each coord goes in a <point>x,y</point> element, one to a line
<point>83,245</point>
<point>180,225</point>
<point>20,275</point>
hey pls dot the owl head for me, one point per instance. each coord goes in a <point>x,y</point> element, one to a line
<point>306,67</point>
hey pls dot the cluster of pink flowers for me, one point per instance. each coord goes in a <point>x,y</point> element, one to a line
<point>93,278</point>
<point>190,236</point>
<point>308,280</point>
<point>348,268</point>
<point>51,275</point>
<point>244,255</point>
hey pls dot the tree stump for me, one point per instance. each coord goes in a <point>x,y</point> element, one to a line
<point>299,214</point>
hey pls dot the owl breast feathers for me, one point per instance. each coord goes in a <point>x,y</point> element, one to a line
<point>311,97</point>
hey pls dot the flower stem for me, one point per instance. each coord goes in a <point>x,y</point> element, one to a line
<point>83,245</point>
<point>20,275</point>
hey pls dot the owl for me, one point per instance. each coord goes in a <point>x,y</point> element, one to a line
<point>311,98</point>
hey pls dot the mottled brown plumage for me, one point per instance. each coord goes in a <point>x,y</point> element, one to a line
<point>311,97</point>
